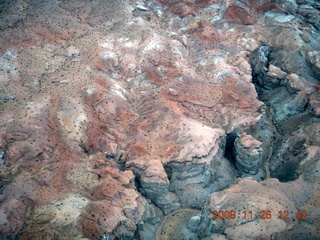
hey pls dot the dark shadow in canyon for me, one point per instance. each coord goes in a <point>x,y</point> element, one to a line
<point>228,153</point>
<point>286,115</point>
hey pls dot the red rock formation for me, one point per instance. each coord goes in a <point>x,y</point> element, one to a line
<point>240,13</point>
<point>264,6</point>
<point>183,9</point>
<point>206,32</point>
<point>154,75</point>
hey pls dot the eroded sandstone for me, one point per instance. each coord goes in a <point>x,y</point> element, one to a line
<point>117,118</point>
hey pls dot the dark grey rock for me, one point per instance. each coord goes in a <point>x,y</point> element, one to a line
<point>2,156</point>
<point>259,60</point>
<point>314,62</point>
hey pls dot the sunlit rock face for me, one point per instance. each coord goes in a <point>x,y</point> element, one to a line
<point>138,119</point>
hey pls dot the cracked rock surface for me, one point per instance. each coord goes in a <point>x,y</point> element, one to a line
<point>138,119</point>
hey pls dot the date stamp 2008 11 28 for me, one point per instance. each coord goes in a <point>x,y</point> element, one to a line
<point>262,214</point>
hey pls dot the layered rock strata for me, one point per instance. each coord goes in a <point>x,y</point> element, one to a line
<point>248,154</point>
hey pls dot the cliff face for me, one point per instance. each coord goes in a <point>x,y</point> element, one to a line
<point>122,120</point>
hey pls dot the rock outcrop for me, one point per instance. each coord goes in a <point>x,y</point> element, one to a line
<point>314,61</point>
<point>119,117</point>
<point>248,154</point>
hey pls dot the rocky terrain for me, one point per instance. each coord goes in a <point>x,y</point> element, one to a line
<point>143,119</point>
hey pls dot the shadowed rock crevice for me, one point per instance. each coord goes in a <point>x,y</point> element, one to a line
<point>137,183</point>
<point>291,151</point>
<point>228,153</point>
<point>287,98</point>
<point>168,170</point>
<point>260,62</point>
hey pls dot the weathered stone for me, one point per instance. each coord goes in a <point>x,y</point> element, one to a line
<point>108,123</point>
<point>314,61</point>
<point>182,9</point>
<point>240,13</point>
<point>309,167</point>
<point>276,72</point>
<point>259,61</point>
<point>248,154</point>
<point>315,103</point>
<point>194,223</point>
<point>206,32</point>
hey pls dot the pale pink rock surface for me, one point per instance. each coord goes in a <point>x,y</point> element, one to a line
<point>113,115</point>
